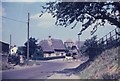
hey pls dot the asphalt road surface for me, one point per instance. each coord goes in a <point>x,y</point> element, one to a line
<point>42,71</point>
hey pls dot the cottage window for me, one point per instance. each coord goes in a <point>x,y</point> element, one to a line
<point>62,54</point>
<point>49,54</point>
<point>57,54</point>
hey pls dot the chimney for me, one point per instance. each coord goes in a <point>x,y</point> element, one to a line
<point>49,36</point>
<point>49,40</point>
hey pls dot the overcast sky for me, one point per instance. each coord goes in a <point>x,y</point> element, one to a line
<point>40,28</point>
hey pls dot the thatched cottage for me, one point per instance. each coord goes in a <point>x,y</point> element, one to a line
<point>52,47</point>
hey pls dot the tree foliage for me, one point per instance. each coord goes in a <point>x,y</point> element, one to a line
<point>22,50</point>
<point>96,13</point>
<point>91,48</point>
<point>32,46</point>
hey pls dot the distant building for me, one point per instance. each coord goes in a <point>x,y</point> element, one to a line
<point>71,47</point>
<point>52,47</point>
<point>69,43</point>
<point>13,50</point>
<point>4,47</point>
<point>79,43</point>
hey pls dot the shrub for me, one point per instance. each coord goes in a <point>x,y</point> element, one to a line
<point>91,48</point>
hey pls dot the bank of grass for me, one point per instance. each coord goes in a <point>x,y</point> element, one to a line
<point>105,66</point>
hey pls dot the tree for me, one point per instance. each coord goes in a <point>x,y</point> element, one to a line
<point>22,50</point>
<point>38,52</point>
<point>32,46</point>
<point>91,48</point>
<point>96,13</point>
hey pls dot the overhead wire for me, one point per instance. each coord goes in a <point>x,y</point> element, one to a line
<point>13,19</point>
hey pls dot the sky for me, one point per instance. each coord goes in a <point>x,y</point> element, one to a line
<point>40,27</point>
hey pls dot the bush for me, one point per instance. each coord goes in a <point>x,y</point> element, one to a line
<point>91,48</point>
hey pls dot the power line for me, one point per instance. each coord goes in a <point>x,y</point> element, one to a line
<point>13,19</point>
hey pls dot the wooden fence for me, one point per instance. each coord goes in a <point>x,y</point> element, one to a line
<point>112,39</point>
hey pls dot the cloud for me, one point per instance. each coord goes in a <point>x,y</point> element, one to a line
<point>45,16</point>
<point>36,16</point>
<point>46,24</point>
<point>45,21</point>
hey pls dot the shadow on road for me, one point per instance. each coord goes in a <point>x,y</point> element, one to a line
<point>81,67</point>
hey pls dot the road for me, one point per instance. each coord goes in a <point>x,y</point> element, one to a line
<point>42,71</point>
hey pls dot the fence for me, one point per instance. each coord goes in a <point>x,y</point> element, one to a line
<point>112,39</point>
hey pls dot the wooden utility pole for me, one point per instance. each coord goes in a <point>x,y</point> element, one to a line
<point>28,38</point>
<point>79,42</point>
<point>10,44</point>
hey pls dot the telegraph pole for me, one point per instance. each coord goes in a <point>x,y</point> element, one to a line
<point>28,38</point>
<point>10,44</point>
<point>79,41</point>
